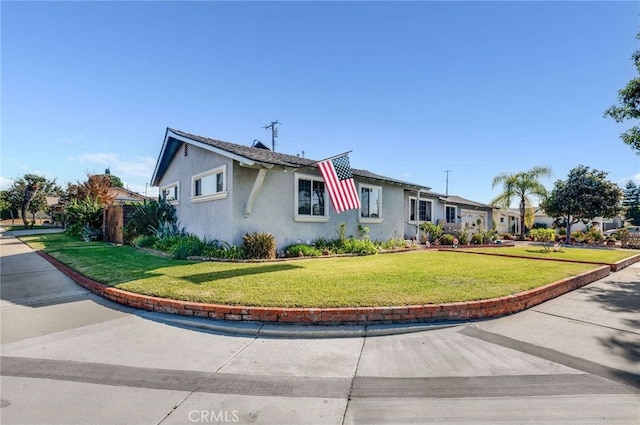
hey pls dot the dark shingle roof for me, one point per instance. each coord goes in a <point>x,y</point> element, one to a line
<point>458,200</point>
<point>260,155</point>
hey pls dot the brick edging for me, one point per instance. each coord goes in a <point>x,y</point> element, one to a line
<point>333,316</point>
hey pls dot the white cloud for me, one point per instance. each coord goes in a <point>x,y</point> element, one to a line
<point>141,167</point>
<point>635,178</point>
<point>96,158</point>
<point>20,164</point>
<point>5,183</point>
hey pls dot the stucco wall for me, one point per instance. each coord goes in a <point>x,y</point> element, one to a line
<point>274,210</point>
<point>210,219</point>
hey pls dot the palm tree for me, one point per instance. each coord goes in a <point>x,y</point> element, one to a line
<point>521,186</point>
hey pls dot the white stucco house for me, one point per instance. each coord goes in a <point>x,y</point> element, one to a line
<point>224,190</point>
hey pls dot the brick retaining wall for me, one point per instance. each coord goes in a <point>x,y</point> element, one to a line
<point>331,316</point>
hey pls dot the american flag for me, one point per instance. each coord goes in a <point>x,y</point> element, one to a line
<point>339,180</point>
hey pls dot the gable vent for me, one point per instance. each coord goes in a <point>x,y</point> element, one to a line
<point>186,149</point>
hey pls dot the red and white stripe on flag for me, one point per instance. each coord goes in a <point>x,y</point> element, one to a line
<point>339,182</point>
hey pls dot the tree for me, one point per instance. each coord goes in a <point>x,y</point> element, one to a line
<point>583,196</point>
<point>97,187</point>
<point>115,180</point>
<point>29,194</point>
<point>628,107</point>
<point>631,203</point>
<point>521,186</point>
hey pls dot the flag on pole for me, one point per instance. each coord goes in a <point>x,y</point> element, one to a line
<point>337,176</point>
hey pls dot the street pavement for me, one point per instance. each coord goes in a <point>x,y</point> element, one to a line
<point>70,357</point>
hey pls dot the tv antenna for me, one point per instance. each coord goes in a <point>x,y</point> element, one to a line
<point>274,133</point>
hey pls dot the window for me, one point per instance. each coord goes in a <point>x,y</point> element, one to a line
<point>310,199</point>
<point>424,210</point>
<point>450,213</point>
<point>370,204</point>
<point>210,185</point>
<point>171,192</point>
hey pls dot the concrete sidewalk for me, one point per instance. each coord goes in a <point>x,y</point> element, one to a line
<point>71,357</point>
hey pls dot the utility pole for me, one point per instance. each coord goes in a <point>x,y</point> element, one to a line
<point>274,133</point>
<point>447,187</point>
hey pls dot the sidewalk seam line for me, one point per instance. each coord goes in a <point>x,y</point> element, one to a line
<point>353,380</point>
<point>585,322</point>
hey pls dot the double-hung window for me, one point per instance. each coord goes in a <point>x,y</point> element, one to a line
<point>450,214</point>
<point>424,210</point>
<point>310,199</point>
<point>171,192</point>
<point>210,185</point>
<point>370,203</point>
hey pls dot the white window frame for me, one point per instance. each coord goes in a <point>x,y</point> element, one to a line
<point>455,216</point>
<point>308,218</point>
<point>415,198</point>
<point>176,187</point>
<point>370,220</point>
<point>211,196</point>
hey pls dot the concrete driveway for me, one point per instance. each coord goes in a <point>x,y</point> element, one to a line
<point>69,357</point>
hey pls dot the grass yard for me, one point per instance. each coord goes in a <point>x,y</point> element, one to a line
<point>417,277</point>
<point>597,255</point>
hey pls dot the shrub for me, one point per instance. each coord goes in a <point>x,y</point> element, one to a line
<point>259,245</point>
<point>433,231</point>
<point>186,246</point>
<point>463,236</point>
<point>507,236</point>
<point>147,217</point>
<point>355,246</point>
<point>393,243</point>
<point>144,241</point>
<point>544,235</point>
<point>477,239</point>
<point>221,249</point>
<point>539,226</point>
<point>306,251</point>
<point>87,212</point>
<point>167,229</point>
<point>447,239</point>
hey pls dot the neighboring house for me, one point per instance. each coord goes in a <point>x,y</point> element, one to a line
<point>126,196</point>
<point>223,191</point>
<point>508,221</point>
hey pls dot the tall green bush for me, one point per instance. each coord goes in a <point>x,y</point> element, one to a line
<point>81,214</point>
<point>259,245</point>
<point>148,217</point>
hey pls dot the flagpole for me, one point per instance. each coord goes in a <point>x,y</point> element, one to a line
<point>330,158</point>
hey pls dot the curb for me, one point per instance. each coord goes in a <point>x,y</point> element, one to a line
<point>281,330</point>
<point>428,313</point>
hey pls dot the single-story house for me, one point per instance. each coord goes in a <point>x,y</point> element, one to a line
<point>508,221</point>
<point>224,190</point>
<point>122,195</point>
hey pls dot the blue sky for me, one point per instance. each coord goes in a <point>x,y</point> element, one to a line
<point>413,89</point>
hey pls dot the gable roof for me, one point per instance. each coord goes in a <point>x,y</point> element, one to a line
<point>462,201</point>
<point>247,155</point>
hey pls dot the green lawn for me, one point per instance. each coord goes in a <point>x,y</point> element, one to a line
<point>416,277</point>
<point>598,255</point>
